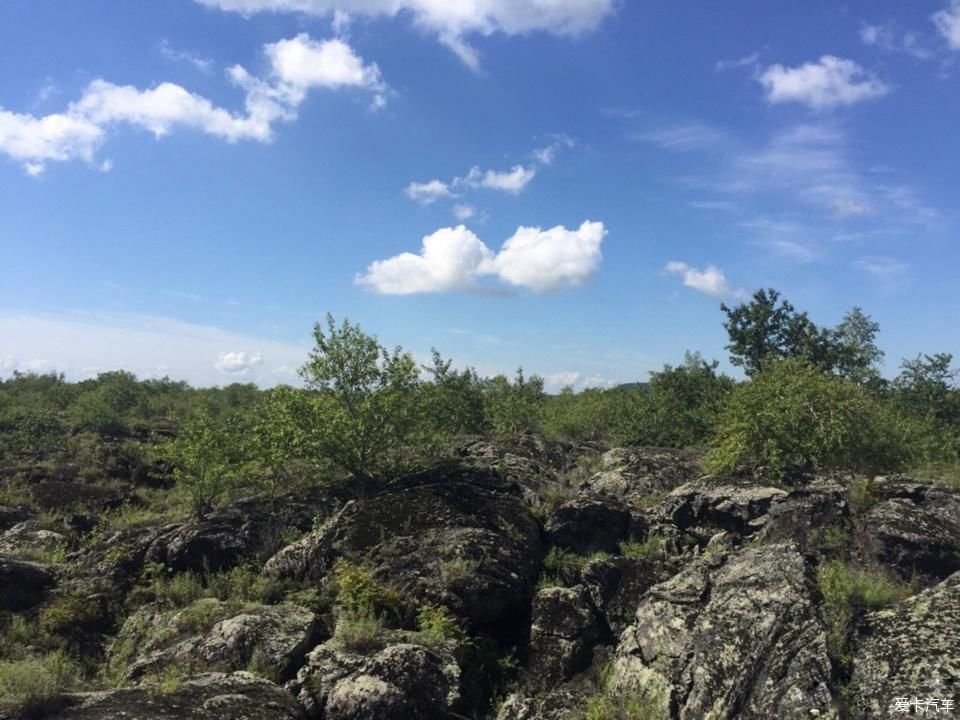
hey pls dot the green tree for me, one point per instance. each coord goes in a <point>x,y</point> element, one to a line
<point>366,399</point>
<point>793,417</point>
<point>769,328</point>
<point>452,400</point>
<point>280,436</point>
<point>925,387</point>
<point>514,408</point>
<point>855,350</point>
<point>204,456</point>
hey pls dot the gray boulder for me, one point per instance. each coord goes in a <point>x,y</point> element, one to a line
<point>910,651</point>
<point>23,585</point>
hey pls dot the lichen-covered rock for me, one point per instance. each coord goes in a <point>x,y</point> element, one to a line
<point>202,545</point>
<point>733,635</point>
<point>211,696</point>
<point>215,635</point>
<point>29,537</point>
<point>638,473</point>
<point>710,504</point>
<point>914,529</point>
<point>404,681</point>
<point>588,524</point>
<point>616,585</point>
<point>23,585</point>
<point>453,535</point>
<point>909,651</point>
<point>802,516</point>
<point>565,628</point>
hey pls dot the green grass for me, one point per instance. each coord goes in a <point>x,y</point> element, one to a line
<point>652,548</point>
<point>34,686</point>
<point>359,631</point>
<point>611,702</point>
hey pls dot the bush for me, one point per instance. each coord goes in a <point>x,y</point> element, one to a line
<point>359,593</point>
<point>792,417</point>
<point>616,703</point>
<point>436,625</point>
<point>35,686</point>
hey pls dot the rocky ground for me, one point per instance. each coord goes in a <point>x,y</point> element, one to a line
<point>529,582</point>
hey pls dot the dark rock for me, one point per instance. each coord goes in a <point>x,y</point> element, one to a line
<point>453,535</point>
<point>202,545</point>
<point>23,585</point>
<point>711,504</point>
<point>211,696</point>
<point>62,495</point>
<point>564,631</point>
<point>910,651</point>
<point>730,636</point>
<point>29,537</point>
<point>616,585</point>
<point>639,474</point>
<point>915,530</point>
<point>588,524</point>
<point>806,512</point>
<point>10,516</point>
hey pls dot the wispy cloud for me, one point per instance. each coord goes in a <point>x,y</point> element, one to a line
<point>204,65</point>
<point>889,272</point>
<point>750,60</point>
<point>682,138</point>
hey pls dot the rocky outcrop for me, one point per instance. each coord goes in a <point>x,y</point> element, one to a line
<point>23,585</point>
<point>732,635</point>
<point>639,474</point>
<point>909,652</point>
<point>564,632</point>
<point>453,535</point>
<point>708,505</point>
<point>211,696</point>
<point>616,584</point>
<point>914,529</point>
<point>29,537</point>
<point>404,681</point>
<point>589,523</point>
<point>211,634</point>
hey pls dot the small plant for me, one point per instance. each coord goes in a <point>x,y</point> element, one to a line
<point>615,703</point>
<point>359,593</point>
<point>359,631</point>
<point>68,613</point>
<point>848,593</point>
<point>653,548</point>
<point>35,686</point>
<point>436,625</point>
<point>861,495</point>
<point>456,570</point>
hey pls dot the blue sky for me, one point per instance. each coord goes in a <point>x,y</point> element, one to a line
<point>570,185</point>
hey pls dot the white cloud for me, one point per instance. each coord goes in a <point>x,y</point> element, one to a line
<point>451,22</point>
<point>237,363</point>
<point>550,260</point>
<point>562,379</point>
<point>889,272</point>
<point>428,192</point>
<point>511,181</point>
<point>948,23</point>
<point>710,281</point>
<point>886,38</point>
<point>464,212</point>
<point>297,65</point>
<point>449,260</point>
<point>455,259</point>
<point>827,83</point>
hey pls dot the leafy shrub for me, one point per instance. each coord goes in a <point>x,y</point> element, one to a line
<point>35,686</point>
<point>793,417</point>
<point>359,593</point>
<point>611,702</point>
<point>652,548</point>
<point>514,408</point>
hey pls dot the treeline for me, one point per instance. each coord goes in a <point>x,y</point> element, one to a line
<point>813,400</point>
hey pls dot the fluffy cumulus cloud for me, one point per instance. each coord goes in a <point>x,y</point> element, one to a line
<point>237,363</point>
<point>710,281</point>
<point>456,260</point>
<point>827,83</point>
<point>512,181</point>
<point>428,192</point>
<point>451,22</point>
<point>948,23</point>
<point>297,65</point>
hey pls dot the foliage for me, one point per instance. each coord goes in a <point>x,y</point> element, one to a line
<point>513,408</point>
<point>452,402</point>
<point>652,548</point>
<point>365,393</point>
<point>437,625</point>
<point>360,593</point>
<point>34,686</point>
<point>204,455</point>
<point>792,417</point>
<point>583,416</point>
<point>359,630</point>
<point>848,593</point>
<point>612,702</point>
